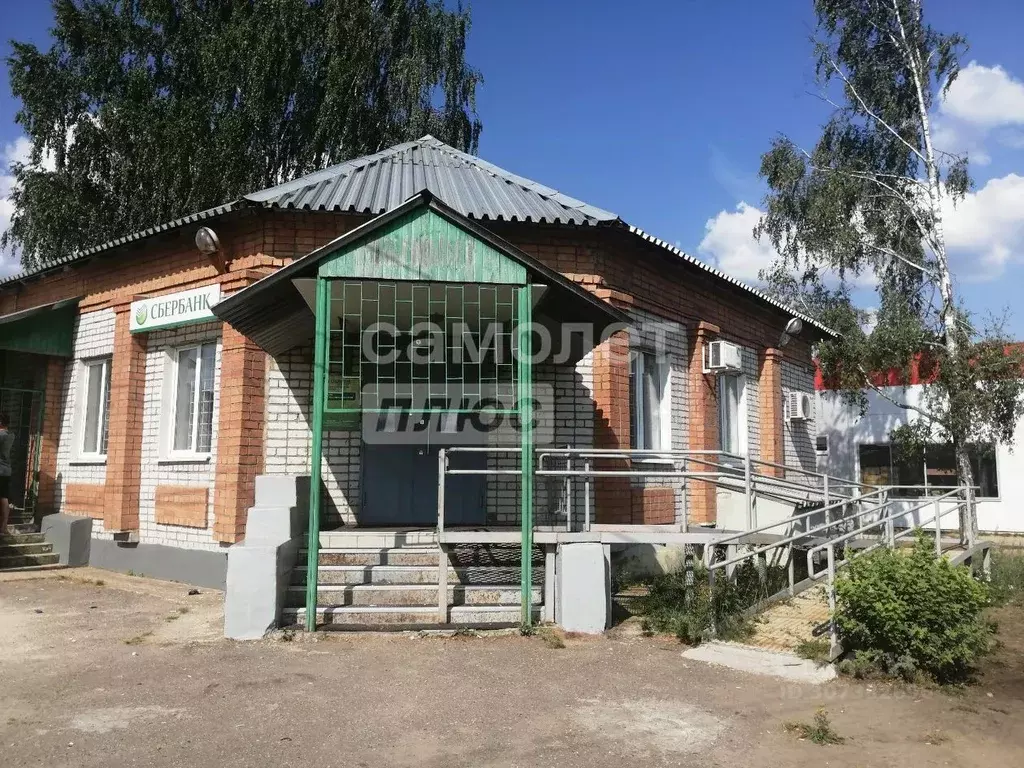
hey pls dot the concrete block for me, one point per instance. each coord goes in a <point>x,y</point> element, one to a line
<point>257,584</point>
<point>272,525</point>
<point>282,491</point>
<point>583,587</point>
<point>70,535</point>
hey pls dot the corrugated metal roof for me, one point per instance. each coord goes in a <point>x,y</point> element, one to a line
<point>476,189</point>
<point>729,279</point>
<point>58,263</point>
<point>382,181</point>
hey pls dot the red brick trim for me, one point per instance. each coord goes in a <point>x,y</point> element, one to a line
<point>702,406</point>
<point>49,439</point>
<point>612,495</point>
<point>654,505</point>
<point>239,433</point>
<point>770,405</point>
<point>124,447</point>
<point>88,499</point>
<point>185,505</point>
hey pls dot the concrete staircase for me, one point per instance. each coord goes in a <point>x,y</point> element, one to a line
<point>22,546</point>
<point>389,581</point>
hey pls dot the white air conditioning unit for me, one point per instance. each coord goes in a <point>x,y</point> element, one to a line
<point>721,356</point>
<point>799,406</point>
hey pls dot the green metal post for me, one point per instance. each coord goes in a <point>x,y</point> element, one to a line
<point>525,407</point>
<point>320,340</point>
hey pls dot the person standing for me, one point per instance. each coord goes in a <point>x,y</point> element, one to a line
<point>6,443</point>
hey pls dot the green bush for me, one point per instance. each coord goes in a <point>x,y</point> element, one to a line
<point>681,602</point>
<point>910,613</point>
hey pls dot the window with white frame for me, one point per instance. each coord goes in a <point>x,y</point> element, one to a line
<point>192,422</point>
<point>649,402</point>
<point>96,381</point>
<point>732,413</point>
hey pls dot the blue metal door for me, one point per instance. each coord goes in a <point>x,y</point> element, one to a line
<point>400,487</point>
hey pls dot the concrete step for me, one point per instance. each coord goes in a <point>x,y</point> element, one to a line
<point>26,561</point>
<point>411,594</point>
<point>29,537</point>
<point>9,548</point>
<point>21,528</point>
<point>408,616</point>
<point>412,574</point>
<point>424,556</point>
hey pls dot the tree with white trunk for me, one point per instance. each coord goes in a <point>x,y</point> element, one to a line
<point>866,203</point>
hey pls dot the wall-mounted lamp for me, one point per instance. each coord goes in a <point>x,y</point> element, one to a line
<point>207,241</point>
<point>793,328</point>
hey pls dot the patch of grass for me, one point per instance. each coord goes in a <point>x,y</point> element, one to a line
<point>1007,584</point>
<point>183,610</point>
<point>935,738</point>
<point>551,639</point>
<point>684,603</point>
<point>820,731</point>
<point>816,650</point>
<point>172,617</point>
<point>138,639</point>
<point>463,632</point>
<point>100,583</point>
<point>527,630</point>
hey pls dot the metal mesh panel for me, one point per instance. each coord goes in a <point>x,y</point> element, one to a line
<point>441,346</point>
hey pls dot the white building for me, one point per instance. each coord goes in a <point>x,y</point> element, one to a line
<point>855,445</point>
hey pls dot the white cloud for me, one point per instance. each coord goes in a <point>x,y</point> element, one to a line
<point>729,243</point>
<point>988,224</point>
<point>982,103</point>
<point>985,96</point>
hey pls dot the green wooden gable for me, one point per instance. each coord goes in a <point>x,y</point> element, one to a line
<point>423,245</point>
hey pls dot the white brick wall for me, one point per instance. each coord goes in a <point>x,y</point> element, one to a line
<point>159,471</point>
<point>798,437</point>
<point>93,337</point>
<point>751,373</point>
<point>288,440</point>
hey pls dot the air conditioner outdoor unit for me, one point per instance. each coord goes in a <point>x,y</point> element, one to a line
<point>799,406</point>
<point>722,356</point>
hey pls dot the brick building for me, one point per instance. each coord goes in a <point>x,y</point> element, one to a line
<point>144,409</point>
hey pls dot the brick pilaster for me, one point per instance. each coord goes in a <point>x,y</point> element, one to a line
<point>49,438</point>
<point>702,500</point>
<point>771,416</point>
<point>124,444</point>
<point>613,499</point>
<point>239,433</point>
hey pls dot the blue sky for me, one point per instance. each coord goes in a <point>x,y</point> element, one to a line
<point>659,110</point>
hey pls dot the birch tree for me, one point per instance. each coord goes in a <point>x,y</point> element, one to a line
<point>867,201</point>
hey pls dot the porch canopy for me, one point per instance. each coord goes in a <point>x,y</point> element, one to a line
<point>44,330</point>
<point>277,311</point>
<point>420,277</point>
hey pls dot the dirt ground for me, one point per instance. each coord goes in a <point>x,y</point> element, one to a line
<point>132,671</point>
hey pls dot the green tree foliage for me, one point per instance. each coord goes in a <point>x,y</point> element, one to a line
<point>867,200</point>
<point>150,109</point>
<point>909,612</point>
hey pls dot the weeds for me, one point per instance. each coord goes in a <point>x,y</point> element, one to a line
<point>527,630</point>
<point>551,639</point>
<point>817,650</point>
<point>138,639</point>
<point>1007,583</point>
<point>820,731</point>
<point>935,738</point>
<point>683,602</point>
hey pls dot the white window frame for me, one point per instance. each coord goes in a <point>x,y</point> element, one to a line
<point>81,455</point>
<point>742,426</point>
<point>171,404</point>
<point>638,364</point>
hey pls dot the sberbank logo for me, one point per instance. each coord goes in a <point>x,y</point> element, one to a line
<point>141,314</point>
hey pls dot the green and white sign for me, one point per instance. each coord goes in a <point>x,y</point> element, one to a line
<point>174,309</point>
